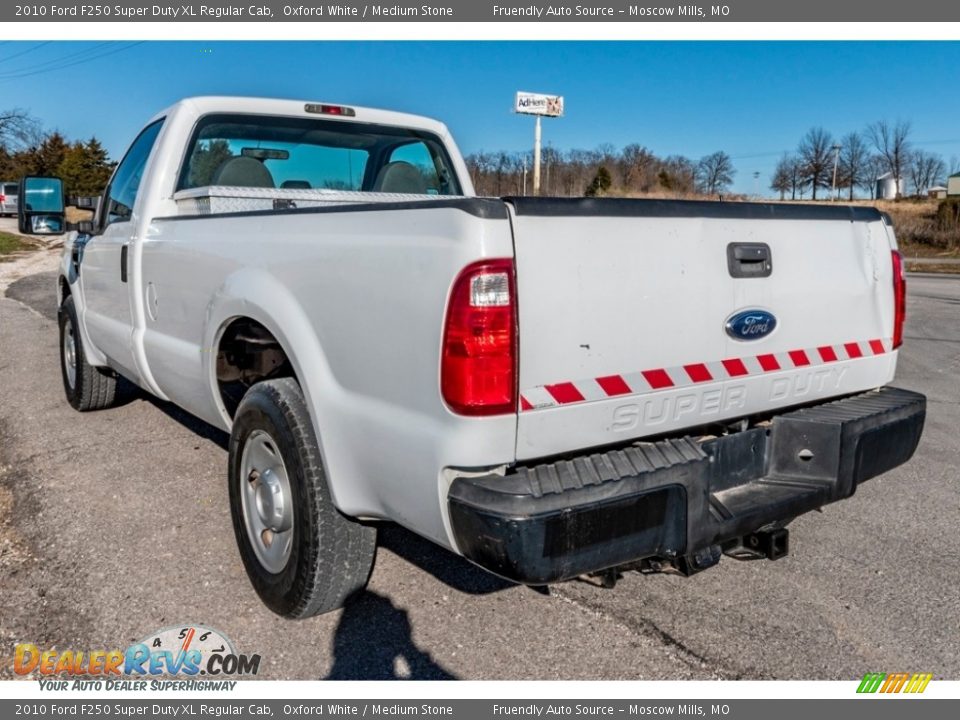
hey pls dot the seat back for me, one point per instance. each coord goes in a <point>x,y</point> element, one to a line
<point>243,172</point>
<point>400,177</point>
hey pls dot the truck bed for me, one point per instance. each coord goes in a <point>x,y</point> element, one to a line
<point>623,306</point>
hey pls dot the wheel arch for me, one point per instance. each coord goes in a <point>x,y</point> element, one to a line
<point>63,289</point>
<point>255,299</point>
<point>68,285</point>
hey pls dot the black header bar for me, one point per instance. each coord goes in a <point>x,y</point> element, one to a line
<point>483,11</point>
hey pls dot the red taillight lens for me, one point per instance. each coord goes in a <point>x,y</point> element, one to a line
<point>899,299</point>
<point>478,369</point>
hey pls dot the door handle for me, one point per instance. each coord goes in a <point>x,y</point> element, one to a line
<point>749,260</point>
<point>123,261</point>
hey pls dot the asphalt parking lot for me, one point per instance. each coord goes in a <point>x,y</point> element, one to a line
<point>117,523</point>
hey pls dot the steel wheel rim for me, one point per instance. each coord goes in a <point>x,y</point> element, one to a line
<point>266,501</point>
<point>69,354</point>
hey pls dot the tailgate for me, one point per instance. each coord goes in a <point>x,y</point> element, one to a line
<point>625,305</point>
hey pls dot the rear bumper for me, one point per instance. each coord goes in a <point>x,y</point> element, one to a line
<point>676,498</point>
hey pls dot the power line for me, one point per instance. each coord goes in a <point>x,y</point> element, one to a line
<point>55,61</point>
<point>937,142</point>
<point>759,155</point>
<point>63,66</point>
<point>24,52</point>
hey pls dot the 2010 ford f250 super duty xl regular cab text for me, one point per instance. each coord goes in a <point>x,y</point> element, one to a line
<point>548,387</point>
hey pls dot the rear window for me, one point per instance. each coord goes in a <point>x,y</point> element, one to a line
<point>307,153</point>
<point>10,189</point>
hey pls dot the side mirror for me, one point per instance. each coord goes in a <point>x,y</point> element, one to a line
<point>41,208</point>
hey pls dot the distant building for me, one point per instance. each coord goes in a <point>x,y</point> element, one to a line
<point>937,192</point>
<point>889,188</point>
<point>953,184</point>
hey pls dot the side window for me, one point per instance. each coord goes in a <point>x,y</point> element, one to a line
<point>419,155</point>
<point>122,192</point>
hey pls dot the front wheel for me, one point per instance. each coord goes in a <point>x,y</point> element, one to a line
<point>302,555</point>
<point>86,387</point>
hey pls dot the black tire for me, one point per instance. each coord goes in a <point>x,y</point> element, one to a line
<point>330,555</point>
<point>92,388</point>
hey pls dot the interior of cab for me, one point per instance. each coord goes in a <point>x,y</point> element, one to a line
<point>315,154</point>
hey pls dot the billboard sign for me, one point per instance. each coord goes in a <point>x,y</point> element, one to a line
<point>536,104</point>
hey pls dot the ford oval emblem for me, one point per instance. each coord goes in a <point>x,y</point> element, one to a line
<point>751,325</point>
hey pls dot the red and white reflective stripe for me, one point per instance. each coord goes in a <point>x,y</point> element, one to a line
<point>647,381</point>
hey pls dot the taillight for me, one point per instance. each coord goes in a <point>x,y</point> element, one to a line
<point>899,299</point>
<point>478,369</point>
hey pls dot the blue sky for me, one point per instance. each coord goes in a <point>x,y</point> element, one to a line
<point>752,99</point>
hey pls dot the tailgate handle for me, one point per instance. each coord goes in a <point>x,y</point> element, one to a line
<point>749,260</point>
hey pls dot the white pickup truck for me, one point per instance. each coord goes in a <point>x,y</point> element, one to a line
<point>548,387</point>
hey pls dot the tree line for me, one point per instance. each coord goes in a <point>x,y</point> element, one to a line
<point>632,170</point>
<point>25,149</point>
<point>820,163</point>
<point>857,160</point>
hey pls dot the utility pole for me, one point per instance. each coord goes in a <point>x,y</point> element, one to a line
<point>756,183</point>
<point>546,174</point>
<point>836,162</point>
<point>536,158</point>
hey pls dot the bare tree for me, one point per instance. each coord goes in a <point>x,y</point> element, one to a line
<point>816,158</point>
<point>798,184</point>
<point>783,176</point>
<point>678,174</point>
<point>926,170</point>
<point>715,173</point>
<point>892,142</point>
<point>18,129</point>
<point>854,157</point>
<point>637,168</point>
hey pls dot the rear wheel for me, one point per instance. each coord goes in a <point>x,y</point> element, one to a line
<point>302,555</point>
<point>87,387</point>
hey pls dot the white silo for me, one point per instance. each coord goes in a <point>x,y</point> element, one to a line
<point>889,187</point>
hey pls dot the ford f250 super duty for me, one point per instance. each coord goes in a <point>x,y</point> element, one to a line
<point>549,387</point>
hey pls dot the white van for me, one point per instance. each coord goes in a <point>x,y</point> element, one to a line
<point>9,194</point>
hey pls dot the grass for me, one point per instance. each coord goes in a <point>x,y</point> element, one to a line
<point>918,234</point>
<point>949,269</point>
<point>10,244</point>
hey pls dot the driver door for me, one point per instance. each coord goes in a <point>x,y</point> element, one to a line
<point>108,310</point>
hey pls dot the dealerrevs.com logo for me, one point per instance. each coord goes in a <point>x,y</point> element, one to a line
<point>180,653</point>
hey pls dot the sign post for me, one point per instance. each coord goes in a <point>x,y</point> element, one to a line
<point>539,105</point>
